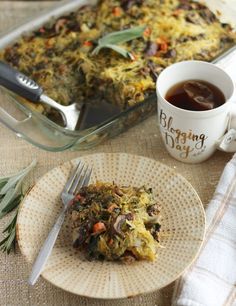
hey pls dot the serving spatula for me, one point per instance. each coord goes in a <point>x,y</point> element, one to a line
<point>22,85</point>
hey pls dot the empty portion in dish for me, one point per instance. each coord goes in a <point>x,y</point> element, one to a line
<point>116,223</point>
<point>59,55</point>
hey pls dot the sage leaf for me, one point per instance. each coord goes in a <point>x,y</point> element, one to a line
<point>9,197</point>
<point>3,241</point>
<point>120,50</point>
<point>113,39</point>
<point>10,226</point>
<point>11,205</point>
<point>120,37</point>
<point>12,180</point>
<point>11,194</point>
<point>9,242</point>
<point>3,182</point>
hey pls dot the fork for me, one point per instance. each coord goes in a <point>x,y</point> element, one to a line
<point>78,179</point>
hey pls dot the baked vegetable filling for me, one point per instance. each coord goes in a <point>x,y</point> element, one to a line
<point>62,56</point>
<point>116,223</point>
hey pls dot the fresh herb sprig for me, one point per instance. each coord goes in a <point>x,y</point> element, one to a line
<point>11,194</point>
<point>112,40</point>
<point>8,243</point>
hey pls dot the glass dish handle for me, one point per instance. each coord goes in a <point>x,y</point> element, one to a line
<point>10,121</point>
<point>32,126</point>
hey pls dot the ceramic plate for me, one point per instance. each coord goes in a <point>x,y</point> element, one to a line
<point>183,227</point>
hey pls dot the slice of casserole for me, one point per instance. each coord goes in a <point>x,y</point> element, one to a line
<point>116,223</point>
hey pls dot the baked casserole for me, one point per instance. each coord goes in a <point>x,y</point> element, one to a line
<point>59,55</point>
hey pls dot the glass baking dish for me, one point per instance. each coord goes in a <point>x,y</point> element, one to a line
<point>44,133</point>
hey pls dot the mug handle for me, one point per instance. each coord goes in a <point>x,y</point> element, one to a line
<point>227,142</point>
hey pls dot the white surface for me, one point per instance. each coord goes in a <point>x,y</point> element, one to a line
<point>211,281</point>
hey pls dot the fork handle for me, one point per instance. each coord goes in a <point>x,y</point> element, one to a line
<point>46,249</point>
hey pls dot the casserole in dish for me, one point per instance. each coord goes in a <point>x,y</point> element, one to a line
<point>58,55</point>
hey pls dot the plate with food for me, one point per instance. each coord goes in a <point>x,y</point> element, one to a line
<point>134,229</point>
<point>98,55</point>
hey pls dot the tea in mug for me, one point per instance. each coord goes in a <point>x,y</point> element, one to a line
<point>195,95</point>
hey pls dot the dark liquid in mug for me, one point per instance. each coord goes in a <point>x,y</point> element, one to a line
<point>195,95</point>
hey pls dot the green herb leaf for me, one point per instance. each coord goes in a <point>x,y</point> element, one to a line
<point>8,243</point>
<point>123,36</point>
<point>10,226</point>
<point>12,180</point>
<point>113,39</point>
<point>11,205</point>
<point>120,50</point>
<point>3,241</point>
<point>11,194</point>
<point>3,181</point>
<point>11,190</point>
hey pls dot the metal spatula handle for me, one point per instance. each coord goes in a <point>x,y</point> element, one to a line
<point>19,83</point>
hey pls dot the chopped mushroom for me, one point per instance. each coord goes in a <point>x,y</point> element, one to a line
<point>155,69</point>
<point>153,220</point>
<point>128,258</point>
<point>120,220</point>
<point>153,210</point>
<point>193,17</point>
<point>170,53</point>
<point>59,24</point>
<point>81,233</point>
<point>127,4</point>
<point>119,192</point>
<point>151,48</point>
<point>207,16</point>
<point>184,5</point>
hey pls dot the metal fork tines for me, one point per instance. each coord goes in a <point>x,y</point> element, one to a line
<point>79,178</point>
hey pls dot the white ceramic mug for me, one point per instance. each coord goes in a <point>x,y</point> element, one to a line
<point>193,136</point>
